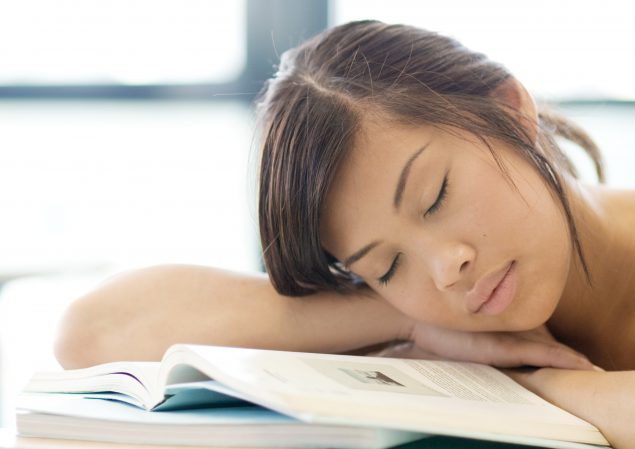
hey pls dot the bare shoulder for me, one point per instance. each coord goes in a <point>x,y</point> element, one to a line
<point>618,203</point>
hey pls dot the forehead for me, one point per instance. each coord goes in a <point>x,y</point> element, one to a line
<point>366,179</point>
<point>379,152</point>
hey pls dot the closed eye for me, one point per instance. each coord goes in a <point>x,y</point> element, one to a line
<point>383,280</point>
<point>386,277</point>
<point>440,198</point>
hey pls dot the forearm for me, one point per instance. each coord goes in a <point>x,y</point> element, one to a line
<point>137,315</point>
<point>605,399</point>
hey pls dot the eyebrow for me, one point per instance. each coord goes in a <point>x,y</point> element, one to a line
<point>401,187</point>
<point>359,254</point>
<point>403,177</point>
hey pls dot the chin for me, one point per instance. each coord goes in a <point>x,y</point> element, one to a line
<point>530,315</point>
<point>517,318</point>
<point>534,304</point>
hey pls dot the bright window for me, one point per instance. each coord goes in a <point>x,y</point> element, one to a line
<point>121,41</point>
<point>559,49</point>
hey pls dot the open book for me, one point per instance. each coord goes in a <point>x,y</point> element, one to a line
<point>370,401</point>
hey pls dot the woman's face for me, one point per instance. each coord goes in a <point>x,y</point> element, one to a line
<point>431,223</point>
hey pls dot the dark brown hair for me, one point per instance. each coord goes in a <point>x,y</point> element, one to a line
<point>311,110</point>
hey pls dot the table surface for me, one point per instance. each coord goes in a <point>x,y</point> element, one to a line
<point>9,440</point>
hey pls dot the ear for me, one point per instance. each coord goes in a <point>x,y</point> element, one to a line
<point>514,95</point>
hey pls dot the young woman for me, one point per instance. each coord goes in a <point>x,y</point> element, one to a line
<point>409,190</point>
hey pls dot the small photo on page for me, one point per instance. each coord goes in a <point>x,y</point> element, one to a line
<point>371,377</point>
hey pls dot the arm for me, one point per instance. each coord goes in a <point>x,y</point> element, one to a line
<point>605,399</point>
<point>138,315</point>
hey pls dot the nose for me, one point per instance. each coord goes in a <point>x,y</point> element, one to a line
<point>451,264</point>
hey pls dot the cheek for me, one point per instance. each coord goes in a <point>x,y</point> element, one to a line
<point>549,256</point>
<point>423,303</point>
<point>534,231</point>
<point>522,216</point>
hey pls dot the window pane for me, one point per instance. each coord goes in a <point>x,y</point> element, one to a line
<point>559,49</point>
<point>121,41</point>
<point>119,184</point>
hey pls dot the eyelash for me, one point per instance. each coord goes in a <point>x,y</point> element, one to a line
<point>391,271</point>
<point>383,280</point>
<point>440,198</point>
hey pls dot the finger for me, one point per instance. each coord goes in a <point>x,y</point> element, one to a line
<point>505,350</point>
<point>510,352</point>
<point>560,355</point>
<point>539,335</point>
<point>406,351</point>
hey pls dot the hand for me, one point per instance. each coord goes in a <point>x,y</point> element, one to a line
<point>535,347</point>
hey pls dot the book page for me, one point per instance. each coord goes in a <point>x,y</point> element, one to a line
<point>200,394</point>
<point>420,395</point>
<point>473,382</point>
<point>89,406</point>
<point>135,379</point>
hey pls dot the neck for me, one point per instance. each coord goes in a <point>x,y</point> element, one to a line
<point>592,311</point>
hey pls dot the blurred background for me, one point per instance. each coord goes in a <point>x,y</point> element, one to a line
<point>127,136</point>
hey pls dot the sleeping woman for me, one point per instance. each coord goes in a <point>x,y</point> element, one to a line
<point>410,190</point>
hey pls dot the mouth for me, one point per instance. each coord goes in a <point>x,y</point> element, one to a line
<point>494,293</point>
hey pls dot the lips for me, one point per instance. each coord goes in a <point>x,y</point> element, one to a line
<point>494,292</point>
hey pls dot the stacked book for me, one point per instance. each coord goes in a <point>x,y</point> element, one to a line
<point>238,397</point>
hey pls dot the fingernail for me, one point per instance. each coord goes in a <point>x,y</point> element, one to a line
<point>597,368</point>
